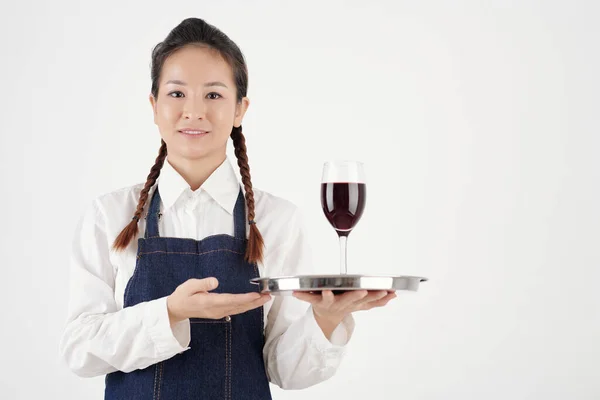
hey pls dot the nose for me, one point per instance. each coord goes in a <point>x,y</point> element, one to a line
<point>194,109</point>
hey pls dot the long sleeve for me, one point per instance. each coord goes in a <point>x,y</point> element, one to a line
<point>98,337</point>
<point>297,353</point>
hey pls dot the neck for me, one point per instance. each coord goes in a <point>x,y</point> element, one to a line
<point>196,171</point>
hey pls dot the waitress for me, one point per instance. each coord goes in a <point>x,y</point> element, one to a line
<point>160,300</point>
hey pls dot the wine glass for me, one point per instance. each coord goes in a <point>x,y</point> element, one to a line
<point>343,197</point>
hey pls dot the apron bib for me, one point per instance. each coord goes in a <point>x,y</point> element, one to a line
<point>225,359</point>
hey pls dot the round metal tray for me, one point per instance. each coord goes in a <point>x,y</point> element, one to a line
<point>336,283</point>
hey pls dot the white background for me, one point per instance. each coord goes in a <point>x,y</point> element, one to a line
<point>478,125</point>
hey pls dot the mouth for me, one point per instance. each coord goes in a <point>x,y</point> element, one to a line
<point>193,132</point>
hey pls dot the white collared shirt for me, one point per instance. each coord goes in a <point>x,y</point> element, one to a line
<point>102,337</point>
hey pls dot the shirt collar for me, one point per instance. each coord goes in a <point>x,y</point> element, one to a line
<point>222,185</point>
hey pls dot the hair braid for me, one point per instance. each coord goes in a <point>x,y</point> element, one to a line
<point>131,230</point>
<point>254,250</point>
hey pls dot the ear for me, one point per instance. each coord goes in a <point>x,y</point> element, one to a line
<point>153,104</point>
<point>240,111</point>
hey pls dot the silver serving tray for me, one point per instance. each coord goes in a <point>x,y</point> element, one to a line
<point>336,283</point>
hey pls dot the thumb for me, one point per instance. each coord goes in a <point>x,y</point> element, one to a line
<point>192,286</point>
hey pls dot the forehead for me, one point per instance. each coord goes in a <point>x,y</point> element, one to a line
<point>196,65</point>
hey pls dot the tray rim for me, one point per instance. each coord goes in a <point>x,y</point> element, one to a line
<point>322,276</point>
<point>298,283</point>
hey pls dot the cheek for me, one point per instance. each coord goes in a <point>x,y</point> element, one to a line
<point>167,113</point>
<point>220,114</point>
<point>223,116</point>
<point>225,123</point>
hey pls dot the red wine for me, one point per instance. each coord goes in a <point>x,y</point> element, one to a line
<point>343,204</point>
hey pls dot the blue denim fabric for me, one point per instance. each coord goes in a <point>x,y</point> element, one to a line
<point>225,358</point>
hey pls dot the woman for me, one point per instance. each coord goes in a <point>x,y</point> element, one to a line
<point>164,306</point>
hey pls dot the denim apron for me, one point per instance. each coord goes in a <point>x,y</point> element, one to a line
<point>225,359</point>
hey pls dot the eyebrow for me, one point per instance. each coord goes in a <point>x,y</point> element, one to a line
<point>208,84</point>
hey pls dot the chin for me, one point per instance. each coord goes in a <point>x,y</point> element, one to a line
<point>191,153</point>
<point>195,154</point>
<point>177,149</point>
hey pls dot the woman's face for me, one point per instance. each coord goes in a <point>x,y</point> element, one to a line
<point>196,92</point>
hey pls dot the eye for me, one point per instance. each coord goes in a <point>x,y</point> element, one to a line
<point>215,94</point>
<point>176,91</point>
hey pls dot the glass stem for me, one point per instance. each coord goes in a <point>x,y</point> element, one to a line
<point>343,255</point>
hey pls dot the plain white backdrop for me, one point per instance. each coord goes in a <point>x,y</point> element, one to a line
<point>478,126</point>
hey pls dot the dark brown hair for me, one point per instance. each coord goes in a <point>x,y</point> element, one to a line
<point>195,31</point>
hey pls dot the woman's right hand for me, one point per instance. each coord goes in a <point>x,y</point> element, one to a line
<point>192,299</point>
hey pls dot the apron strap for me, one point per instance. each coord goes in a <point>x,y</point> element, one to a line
<point>152,217</point>
<point>239,216</point>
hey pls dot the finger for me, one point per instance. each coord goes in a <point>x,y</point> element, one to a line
<point>192,286</point>
<point>371,297</point>
<point>327,298</point>
<point>228,300</point>
<point>379,303</point>
<point>351,297</point>
<point>308,297</point>
<point>249,306</point>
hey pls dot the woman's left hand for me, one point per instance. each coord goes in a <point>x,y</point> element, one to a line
<point>330,309</point>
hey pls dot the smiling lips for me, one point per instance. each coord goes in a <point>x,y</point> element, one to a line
<point>193,131</point>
